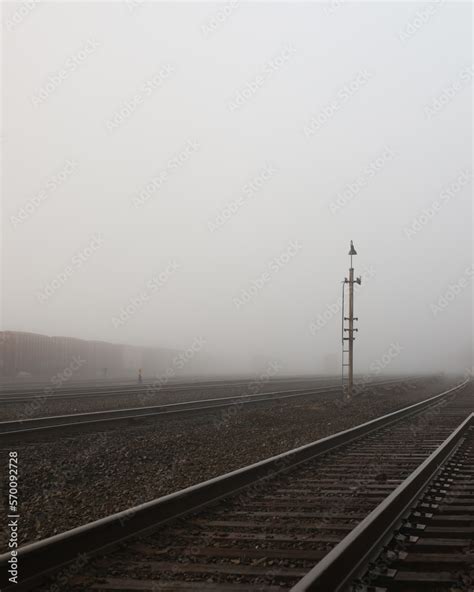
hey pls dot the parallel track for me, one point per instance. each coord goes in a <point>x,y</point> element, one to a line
<point>149,389</point>
<point>66,392</point>
<point>287,514</point>
<point>97,419</point>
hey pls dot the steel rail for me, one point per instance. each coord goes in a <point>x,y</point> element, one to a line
<point>134,388</point>
<point>97,418</point>
<point>107,383</point>
<point>39,559</point>
<point>116,415</point>
<point>350,557</point>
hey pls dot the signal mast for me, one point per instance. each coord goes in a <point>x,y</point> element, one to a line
<point>348,331</point>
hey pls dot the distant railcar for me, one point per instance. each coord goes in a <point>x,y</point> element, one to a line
<point>7,354</point>
<point>23,353</point>
<point>45,357</point>
<point>132,359</point>
<point>70,352</point>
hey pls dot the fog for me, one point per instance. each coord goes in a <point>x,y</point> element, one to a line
<point>183,171</point>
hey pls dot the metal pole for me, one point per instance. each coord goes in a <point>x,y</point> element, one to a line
<point>342,335</point>
<point>351,331</point>
<point>348,392</point>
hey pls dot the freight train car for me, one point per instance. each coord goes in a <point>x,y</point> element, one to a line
<point>23,353</point>
<point>107,359</point>
<point>35,356</point>
<point>40,356</point>
<point>67,352</point>
<point>132,359</point>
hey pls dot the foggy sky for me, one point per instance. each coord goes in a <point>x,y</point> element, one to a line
<point>199,152</point>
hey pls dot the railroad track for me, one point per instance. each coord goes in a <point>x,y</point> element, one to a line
<point>98,419</point>
<point>148,389</point>
<point>433,548</point>
<point>70,385</point>
<point>264,527</point>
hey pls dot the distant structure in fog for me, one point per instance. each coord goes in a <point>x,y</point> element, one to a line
<point>41,356</point>
<point>36,356</point>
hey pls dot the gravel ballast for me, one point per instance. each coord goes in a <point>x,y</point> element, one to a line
<point>68,481</point>
<point>42,406</point>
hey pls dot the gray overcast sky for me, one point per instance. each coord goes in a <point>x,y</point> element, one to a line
<point>173,170</point>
